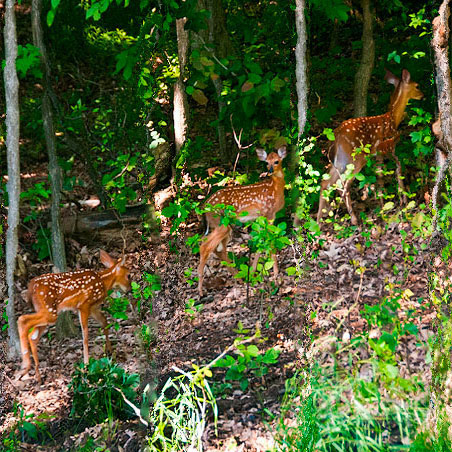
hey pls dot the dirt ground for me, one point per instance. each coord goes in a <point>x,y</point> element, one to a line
<point>329,287</point>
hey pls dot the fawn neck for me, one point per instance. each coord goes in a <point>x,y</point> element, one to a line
<point>108,277</point>
<point>398,103</point>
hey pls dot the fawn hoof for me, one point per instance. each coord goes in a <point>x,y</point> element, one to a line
<point>22,372</point>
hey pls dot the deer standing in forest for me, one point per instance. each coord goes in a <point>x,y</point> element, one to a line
<point>380,132</point>
<point>250,201</point>
<point>81,291</point>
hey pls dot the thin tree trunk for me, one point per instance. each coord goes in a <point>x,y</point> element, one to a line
<point>13,186</point>
<point>65,326</point>
<point>58,251</point>
<point>300,65</point>
<point>362,77</point>
<point>180,112</point>
<point>302,84</point>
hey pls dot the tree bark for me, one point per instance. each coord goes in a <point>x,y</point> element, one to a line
<point>216,36</point>
<point>444,85</point>
<point>364,72</point>
<point>65,326</point>
<point>300,65</point>
<point>13,162</point>
<point>180,112</point>
<point>58,251</point>
<point>439,415</point>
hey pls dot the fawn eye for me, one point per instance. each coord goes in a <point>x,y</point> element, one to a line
<point>276,162</point>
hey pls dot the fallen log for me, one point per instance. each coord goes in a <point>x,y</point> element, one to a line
<point>105,219</point>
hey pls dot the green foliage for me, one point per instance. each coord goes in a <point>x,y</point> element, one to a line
<point>192,307</point>
<point>29,426</point>
<point>329,410</point>
<point>425,442</point>
<point>249,361</point>
<point>266,239</point>
<point>333,9</point>
<point>147,336</point>
<point>421,138</point>
<point>37,195</point>
<point>305,432</point>
<point>98,390</point>
<point>179,415</point>
<point>143,292</point>
<point>43,243</point>
<point>179,211</point>
<point>28,61</point>
<point>117,306</point>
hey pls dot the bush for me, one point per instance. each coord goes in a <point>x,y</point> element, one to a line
<point>98,390</point>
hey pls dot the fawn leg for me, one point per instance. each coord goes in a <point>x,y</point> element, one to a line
<point>98,315</point>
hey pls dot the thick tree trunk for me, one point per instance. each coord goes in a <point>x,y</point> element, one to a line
<point>439,415</point>
<point>364,72</point>
<point>180,112</point>
<point>217,38</point>
<point>65,325</point>
<point>444,85</point>
<point>13,186</point>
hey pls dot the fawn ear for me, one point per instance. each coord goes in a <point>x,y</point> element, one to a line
<point>391,78</point>
<point>282,152</point>
<point>406,76</point>
<point>261,154</point>
<point>106,259</point>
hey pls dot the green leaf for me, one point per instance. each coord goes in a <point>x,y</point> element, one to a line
<point>389,370</point>
<point>291,271</point>
<point>253,67</point>
<point>200,97</point>
<point>244,384</point>
<point>254,78</point>
<point>50,17</point>
<point>252,350</point>
<point>277,84</point>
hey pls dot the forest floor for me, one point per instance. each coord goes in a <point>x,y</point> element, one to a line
<point>324,302</point>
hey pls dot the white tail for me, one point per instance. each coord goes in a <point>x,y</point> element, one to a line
<point>80,291</point>
<point>261,199</point>
<point>380,132</point>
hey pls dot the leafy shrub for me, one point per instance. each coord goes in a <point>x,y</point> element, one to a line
<point>328,411</point>
<point>98,390</point>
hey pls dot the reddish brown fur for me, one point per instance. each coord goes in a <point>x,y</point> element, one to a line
<point>378,131</point>
<point>261,199</point>
<point>81,291</point>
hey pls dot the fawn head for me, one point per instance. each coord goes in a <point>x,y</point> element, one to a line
<point>406,86</point>
<point>274,160</point>
<point>119,270</point>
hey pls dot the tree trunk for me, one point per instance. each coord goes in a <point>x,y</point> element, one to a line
<point>13,186</point>
<point>58,251</point>
<point>364,72</point>
<point>180,112</point>
<point>65,325</point>
<point>302,84</point>
<point>217,38</point>
<point>439,416</point>
<point>300,65</point>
